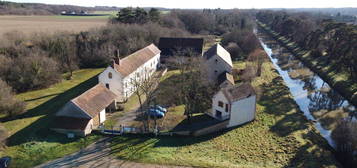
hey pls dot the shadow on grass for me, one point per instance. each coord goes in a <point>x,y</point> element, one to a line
<point>37,98</point>
<point>40,129</point>
<point>290,120</point>
<point>196,122</point>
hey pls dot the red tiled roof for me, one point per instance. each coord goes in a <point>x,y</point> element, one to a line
<point>95,100</point>
<point>132,62</point>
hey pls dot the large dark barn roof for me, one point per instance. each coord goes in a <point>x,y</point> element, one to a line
<point>171,46</point>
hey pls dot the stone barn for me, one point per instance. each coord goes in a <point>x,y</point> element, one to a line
<point>84,113</point>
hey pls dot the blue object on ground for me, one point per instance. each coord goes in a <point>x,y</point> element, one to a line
<point>161,108</point>
<point>156,113</point>
<point>5,162</point>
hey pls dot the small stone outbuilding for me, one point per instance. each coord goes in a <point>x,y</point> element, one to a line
<point>84,113</point>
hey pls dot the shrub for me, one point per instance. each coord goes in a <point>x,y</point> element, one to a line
<point>235,51</point>
<point>9,105</point>
<point>96,48</point>
<point>32,72</point>
<point>246,40</point>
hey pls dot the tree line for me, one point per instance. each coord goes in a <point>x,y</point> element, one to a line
<point>333,42</point>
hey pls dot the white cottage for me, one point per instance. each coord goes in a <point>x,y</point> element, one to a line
<point>218,61</point>
<point>85,112</point>
<point>120,75</point>
<point>234,103</point>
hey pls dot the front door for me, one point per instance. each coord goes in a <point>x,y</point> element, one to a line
<point>218,114</point>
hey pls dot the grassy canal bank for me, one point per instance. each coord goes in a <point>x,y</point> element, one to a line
<point>340,81</point>
<point>280,136</point>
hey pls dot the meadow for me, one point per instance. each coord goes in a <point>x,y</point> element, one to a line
<point>49,24</point>
<point>30,141</point>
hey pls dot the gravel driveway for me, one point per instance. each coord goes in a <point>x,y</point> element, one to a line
<point>97,155</point>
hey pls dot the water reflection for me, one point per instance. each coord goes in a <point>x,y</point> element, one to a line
<point>315,97</point>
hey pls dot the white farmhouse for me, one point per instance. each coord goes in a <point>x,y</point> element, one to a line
<point>234,103</point>
<point>120,76</point>
<point>218,61</point>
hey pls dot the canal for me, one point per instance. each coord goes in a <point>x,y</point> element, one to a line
<point>315,98</point>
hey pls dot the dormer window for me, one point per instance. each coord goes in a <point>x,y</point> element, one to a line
<point>110,75</point>
<point>216,61</point>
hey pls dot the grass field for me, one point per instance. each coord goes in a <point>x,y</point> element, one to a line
<point>279,137</point>
<point>31,142</point>
<point>49,24</point>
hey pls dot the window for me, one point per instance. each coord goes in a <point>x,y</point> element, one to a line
<point>220,104</point>
<point>215,71</point>
<point>216,61</point>
<point>227,107</point>
<point>107,85</point>
<point>110,75</point>
<point>125,84</point>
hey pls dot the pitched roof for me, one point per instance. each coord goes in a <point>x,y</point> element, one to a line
<point>218,50</point>
<point>225,76</point>
<point>237,92</point>
<point>70,123</point>
<point>132,62</point>
<point>170,45</point>
<point>95,100</point>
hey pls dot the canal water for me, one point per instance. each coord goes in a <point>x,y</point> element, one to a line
<point>315,98</point>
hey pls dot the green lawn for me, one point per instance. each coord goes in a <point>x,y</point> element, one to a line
<point>175,112</point>
<point>279,137</point>
<point>31,142</point>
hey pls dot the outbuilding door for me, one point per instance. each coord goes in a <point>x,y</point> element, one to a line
<point>218,114</point>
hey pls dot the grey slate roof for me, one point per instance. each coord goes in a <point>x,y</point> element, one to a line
<point>237,92</point>
<point>225,76</point>
<point>218,50</point>
<point>170,45</point>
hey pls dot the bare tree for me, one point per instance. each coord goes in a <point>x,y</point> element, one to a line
<point>145,85</point>
<point>257,57</point>
<point>195,90</point>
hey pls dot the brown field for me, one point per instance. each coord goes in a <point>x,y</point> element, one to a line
<point>49,24</point>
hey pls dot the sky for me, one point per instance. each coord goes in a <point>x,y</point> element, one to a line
<point>224,4</point>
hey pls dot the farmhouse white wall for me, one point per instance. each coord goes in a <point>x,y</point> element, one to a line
<point>102,116</point>
<point>124,86</point>
<point>215,68</point>
<point>243,111</point>
<point>146,69</point>
<point>115,84</point>
<point>216,98</point>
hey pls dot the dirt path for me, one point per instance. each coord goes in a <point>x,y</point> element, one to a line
<point>97,155</point>
<point>127,118</point>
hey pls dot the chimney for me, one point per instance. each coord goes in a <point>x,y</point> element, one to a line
<point>116,57</point>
